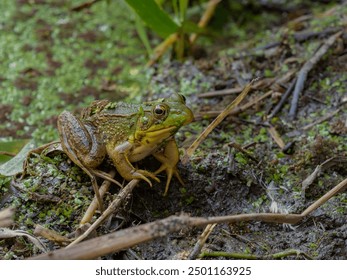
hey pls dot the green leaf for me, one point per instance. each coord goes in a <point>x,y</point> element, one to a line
<point>191,27</point>
<point>156,19</point>
<point>11,147</point>
<point>15,165</point>
<point>183,9</point>
<point>143,35</point>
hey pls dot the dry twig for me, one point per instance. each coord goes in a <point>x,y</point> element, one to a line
<point>211,7</point>
<point>239,109</point>
<point>94,204</point>
<point>320,120</point>
<point>201,241</point>
<point>171,39</point>
<point>321,167</point>
<point>7,154</point>
<point>129,237</point>
<point>243,150</point>
<point>283,100</point>
<point>84,5</point>
<point>216,122</point>
<point>276,136</point>
<point>8,233</point>
<point>222,92</point>
<point>258,84</point>
<point>116,203</point>
<point>306,35</point>
<point>299,86</point>
<point>50,235</point>
<point>243,256</point>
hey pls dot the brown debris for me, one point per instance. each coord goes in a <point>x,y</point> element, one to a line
<point>119,240</point>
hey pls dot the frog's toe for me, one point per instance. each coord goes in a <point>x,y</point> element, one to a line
<point>169,172</point>
<point>178,176</point>
<point>143,175</point>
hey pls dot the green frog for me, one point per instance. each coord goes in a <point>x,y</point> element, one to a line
<point>126,133</point>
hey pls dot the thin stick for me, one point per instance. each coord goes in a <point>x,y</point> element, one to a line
<point>261,84</point>
<point>88,215</point>
<point>7,154</point>
<point>339,188</point>
<point>251,103</point>
<point>243,150</point>
<point>216,122</point>
<point>116,203</point>
<point>306,35</point>
<point>222,92</point>
<point>50,234</point>
<point>243,256</point>
<point>202,240</point>
<point>276,136</point>
<point>211,7</point>
<point>84,5</point>
<point>320,120</point>
<point>162,47</point>
<point>242,108</point>
<point>283,100</point>
<point>299,86</point>
<point>129,237</point>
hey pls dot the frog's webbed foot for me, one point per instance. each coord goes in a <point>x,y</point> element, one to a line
<point>170,171</point>
<point>119,156</point>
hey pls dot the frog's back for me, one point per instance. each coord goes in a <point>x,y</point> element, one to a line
<point>121,109</point>
<point>105,107</point>
<point>114,121</point>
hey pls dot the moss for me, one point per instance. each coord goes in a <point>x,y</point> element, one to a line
<point>48,176</point>
<point>189,200</point>
<point>262,135</point>
<point>52,44</point>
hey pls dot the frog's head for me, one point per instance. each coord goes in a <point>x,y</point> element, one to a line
<point>160,119</point>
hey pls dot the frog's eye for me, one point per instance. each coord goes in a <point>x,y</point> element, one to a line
<point>160,111</point>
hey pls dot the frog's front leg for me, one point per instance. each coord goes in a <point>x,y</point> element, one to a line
<point>119,156</point>
<point>169,158</point>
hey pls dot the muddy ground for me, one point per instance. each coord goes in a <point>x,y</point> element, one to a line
<point>220,178</point>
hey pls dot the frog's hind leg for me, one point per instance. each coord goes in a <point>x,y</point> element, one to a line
<point>105,176</point>
<point>80,144</point>
<point>92,177</point>
<point>95,187</point>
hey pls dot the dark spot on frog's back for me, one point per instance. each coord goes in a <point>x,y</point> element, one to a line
<point>132,123</point>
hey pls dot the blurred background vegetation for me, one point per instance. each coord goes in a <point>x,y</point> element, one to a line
<point>60,55</point>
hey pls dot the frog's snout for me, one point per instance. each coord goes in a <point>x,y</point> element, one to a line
<point>189,117</point>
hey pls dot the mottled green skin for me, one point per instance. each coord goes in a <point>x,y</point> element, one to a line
<point>115,124</point>
<point>126,133</point>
